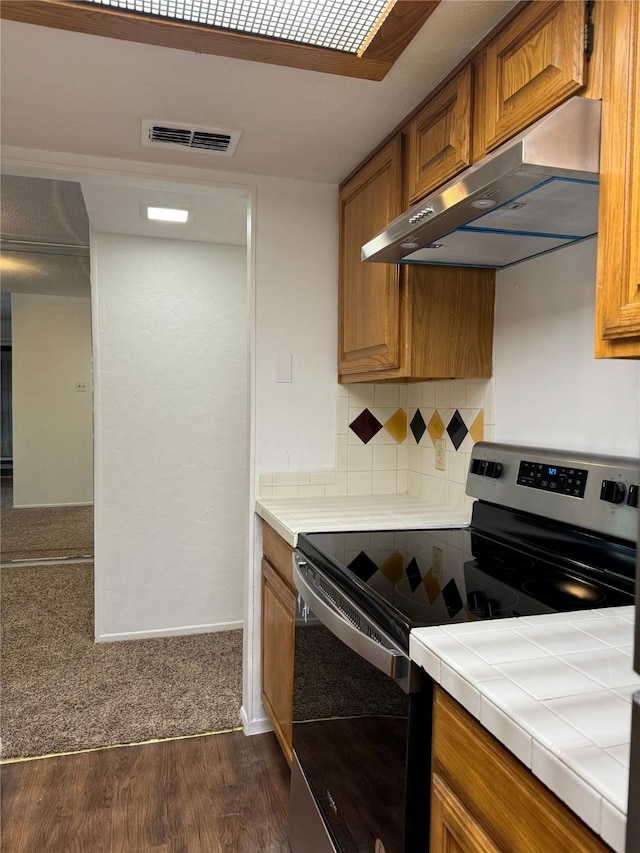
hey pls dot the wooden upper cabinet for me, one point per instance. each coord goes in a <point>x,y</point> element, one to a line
<point>533,65</point>
<point>369,327</point>
<point>439,137</point>
<point>618,276</point>
<point>400,322</point>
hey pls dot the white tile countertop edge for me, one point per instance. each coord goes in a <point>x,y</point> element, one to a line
<point>556,691</point>
<point>291,516</point>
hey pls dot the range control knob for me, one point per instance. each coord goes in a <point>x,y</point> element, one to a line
<point>612,491</point>
<point>632,500</point>
<point>486,468</point>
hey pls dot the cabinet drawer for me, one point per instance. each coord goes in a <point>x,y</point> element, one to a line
<point>536,63</point>
<point>439,137</point>
<point>278,552</point>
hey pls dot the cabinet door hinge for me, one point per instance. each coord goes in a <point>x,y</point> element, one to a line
<point>588,30</point>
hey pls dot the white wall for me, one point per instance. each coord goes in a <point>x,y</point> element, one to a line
<point>296,313</point>
<point>550,390</point>
<point>171,451</point>
<point>52,422</point>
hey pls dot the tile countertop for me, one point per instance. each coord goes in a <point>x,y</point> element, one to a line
<point>556,691</point>
<point>290,516</point>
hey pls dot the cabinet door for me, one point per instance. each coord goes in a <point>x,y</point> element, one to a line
<point>453,828</point>
<point>537,62</point>
<point>369,317</point>
<point>278,626</point>
<point>439,137</point>
<point>618,290</point>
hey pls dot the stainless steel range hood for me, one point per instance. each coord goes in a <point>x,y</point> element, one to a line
<point>534,194</point>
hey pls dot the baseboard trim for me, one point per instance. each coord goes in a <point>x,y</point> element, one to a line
<point>51,506</point>
<point>254,727</point>
<point>180,631</point>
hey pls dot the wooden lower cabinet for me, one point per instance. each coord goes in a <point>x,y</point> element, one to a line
<point>278,631</point>
<point>454,828</point>
<point>485,801</point>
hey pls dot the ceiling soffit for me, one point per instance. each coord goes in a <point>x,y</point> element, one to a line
<point>386,44</point>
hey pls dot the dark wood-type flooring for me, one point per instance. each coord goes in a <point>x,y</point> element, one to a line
<point>225,793</point>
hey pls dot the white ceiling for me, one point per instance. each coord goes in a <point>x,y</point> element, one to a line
<point>86,95</point>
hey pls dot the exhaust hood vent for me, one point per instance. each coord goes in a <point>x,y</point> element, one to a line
<point>534,194</point>
<point>178,137</point>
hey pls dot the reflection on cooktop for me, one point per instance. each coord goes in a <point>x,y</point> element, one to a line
<point>563,590</point>
<point>432,577</point>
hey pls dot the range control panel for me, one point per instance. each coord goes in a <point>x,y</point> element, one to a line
<point>595,492</point>
<point>553,478</point>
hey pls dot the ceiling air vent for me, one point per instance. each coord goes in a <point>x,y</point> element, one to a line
<point>178,137</point>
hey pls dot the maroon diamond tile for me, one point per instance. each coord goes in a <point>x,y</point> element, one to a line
<point>365,426</point>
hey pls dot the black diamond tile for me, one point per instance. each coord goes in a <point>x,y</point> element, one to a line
<point>413,573</point>
<point>452,598</point>
<point>457,429</point>
<point>365,426</point>
<point>418,426</point>
<point>363,566</point>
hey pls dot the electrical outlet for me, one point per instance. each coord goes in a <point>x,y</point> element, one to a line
<point>441,454</point>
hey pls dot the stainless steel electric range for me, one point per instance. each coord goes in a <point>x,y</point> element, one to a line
<point>551,531</point>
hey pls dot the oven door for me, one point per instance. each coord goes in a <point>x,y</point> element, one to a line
<point>361,730</point>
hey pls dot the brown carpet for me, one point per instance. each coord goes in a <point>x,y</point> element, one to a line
<point>61,691</point>
<point>38,533</point>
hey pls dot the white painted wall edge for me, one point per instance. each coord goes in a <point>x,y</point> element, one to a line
<point>253,713</point>
<point>254,727</point>
<point>181,631</point>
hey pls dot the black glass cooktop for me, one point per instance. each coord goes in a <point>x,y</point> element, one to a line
<point>413,578</point>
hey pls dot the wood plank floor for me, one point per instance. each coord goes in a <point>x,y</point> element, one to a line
<point>224,793</point>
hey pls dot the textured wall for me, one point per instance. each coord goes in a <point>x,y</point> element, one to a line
<point>171,435</point>
<point>296,314</point>
<point>550,390</point>
<point>52,422</point>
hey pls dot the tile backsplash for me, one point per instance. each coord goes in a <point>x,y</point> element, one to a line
<point>385,442</point>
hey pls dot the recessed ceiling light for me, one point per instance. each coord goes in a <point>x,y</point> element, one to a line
<point>167,214</point>
<point>335,24</point>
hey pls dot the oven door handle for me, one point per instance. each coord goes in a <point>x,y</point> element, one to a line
<point>390,661</point>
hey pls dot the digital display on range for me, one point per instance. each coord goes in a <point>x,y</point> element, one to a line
<point>552,478</point>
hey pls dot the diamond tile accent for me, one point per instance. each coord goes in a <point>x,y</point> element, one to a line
<point>452,598</point>
<point>432,586</point>
<point>476,430</point>
<point>457,429</point>
<point>413,574</point>
<point>418,426</point>
<point>396,426</point>
<point>393,567</point>
<point>365,426</point>
<point>435,426</point>
<point>363,566</point>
